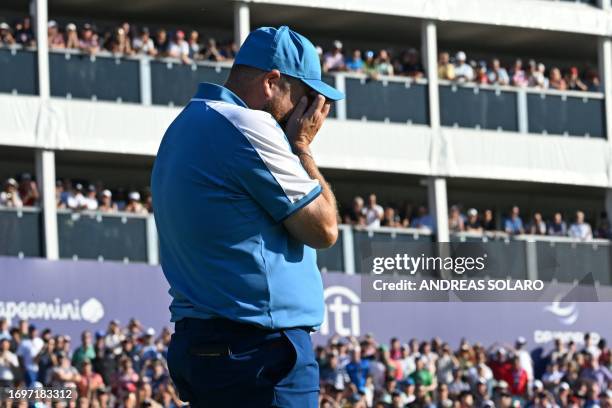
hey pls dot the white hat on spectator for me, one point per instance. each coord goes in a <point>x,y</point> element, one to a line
<point>79,186</point>
<point>538,385</point>
<point>11,182</point>
<point>564,386</point>
<point>521,340</point>
<point>472,212</point>
<point>461,56</point>
<point>134,195</point>
<point>4,26</point>
<point>107,193</point>
<point>52,24</point>
<point>319,50</point>
<point>71,27</point>
<point>150,331</point>
<point>338,44</point>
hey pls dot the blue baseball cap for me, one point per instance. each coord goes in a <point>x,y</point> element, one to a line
<point>269,48</point>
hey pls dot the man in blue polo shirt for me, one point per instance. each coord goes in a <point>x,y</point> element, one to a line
<point>240,206</point>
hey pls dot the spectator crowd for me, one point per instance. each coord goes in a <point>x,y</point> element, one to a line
<point>362,373</point>
<point>374,215</point>
<point>23,192</point>
<point>124,40</point>
<point>126,367</point>
<point>118,367</point>
<point>188,46</point>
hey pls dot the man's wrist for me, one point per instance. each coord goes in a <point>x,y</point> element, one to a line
<point>302,151</point>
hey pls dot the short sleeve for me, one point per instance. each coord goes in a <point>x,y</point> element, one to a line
<point>265,166</point>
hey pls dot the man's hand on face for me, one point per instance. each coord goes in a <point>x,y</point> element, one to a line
<point>303,124</point>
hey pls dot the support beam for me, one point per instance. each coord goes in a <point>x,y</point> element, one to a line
<point>38,8</point>
<point>340,84</point>
<point>146,93</point>
<point>429,55</point>
<point>438,206</point>
<point>45,176</point>
<point>242,22</point>
<point>604,51</point>
<point>603,4</point>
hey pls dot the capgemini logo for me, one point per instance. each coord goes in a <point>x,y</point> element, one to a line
<point>92,310</point>
<point>567,315</point>
<point>335,297</point>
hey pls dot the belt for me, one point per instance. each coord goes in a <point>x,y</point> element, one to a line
<point>240,331</point>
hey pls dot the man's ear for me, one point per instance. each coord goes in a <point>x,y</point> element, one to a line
<point>271,81</point>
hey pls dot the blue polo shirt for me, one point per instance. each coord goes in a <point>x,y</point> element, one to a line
<point>223,182</point>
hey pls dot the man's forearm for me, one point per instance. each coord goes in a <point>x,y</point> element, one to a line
<point>308,162</point>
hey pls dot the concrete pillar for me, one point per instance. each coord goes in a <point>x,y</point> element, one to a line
<point>38,8</point>
<point>45,176</point>
<point>438,206</point>
<point>429,55</point>
<point>605,76</point>
<point>242,22</point>
<point>604,4</point>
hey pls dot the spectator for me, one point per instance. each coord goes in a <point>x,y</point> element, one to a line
<point>537,79</point>
<point>498,75</point>
<point>194,45</point>
<point>455,221</point>
<point>89,382</point>
<point>24,34</point>
<point>28,349</point>
<point>9,197</point>
<point>373,212</point>
<point>162,43</point>
<point>88,42</point>
<point>390,218</point>
<point>334,60</point>
<point>91,200</point>
<point>358,369</point>
<point>574,82</point>
<point>54,37</point>
<point>64,375</point>
<point>592,81</point>
<point>518,379</point>
<point>519,77</point>
<point>473,223</point>
<point>6,36</point>
<point>77,201</point>
<point>134,205</point>
<point>557,227</point>
<point>603,227</point>
<point>383,64</point>
<point>85,352</point>
<point>355,214</point>
<point>481,73</point>
<point>179,48</point>
<point>537,225</point>
<point>8,364</point>
<point>463,71</point>
<point>229,50</point>
<point>107,205</point>
<point>144,44</point>
<point>121,43</point>
<point>580,229</point>
<point>556,80</point>
<point>596,373</point>
<point>369,64</point>
<point>514,223</point>
<point>28,191</point>
<point>446,70</point>
<point>410,64</point>
<point>423,220</point>
<point>212,53</point>
<point>72,38</point>
<point>355,63</point>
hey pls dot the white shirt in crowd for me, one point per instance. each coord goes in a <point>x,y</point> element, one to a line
<point>8,362</point>
<point>28,350</point>
<point>373,215</point>
<point>179,49</point>
<point>581,231</point>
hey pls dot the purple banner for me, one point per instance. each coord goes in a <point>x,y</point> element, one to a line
<point>72,296</point>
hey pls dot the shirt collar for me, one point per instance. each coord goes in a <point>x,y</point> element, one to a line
<point>215,92</point>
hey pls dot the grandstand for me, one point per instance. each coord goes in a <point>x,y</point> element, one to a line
<point>426,145</point>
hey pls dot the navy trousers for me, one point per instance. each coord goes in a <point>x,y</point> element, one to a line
<point>220,363</point>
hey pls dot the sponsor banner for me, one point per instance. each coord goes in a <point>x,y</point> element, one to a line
<point>72,296</point>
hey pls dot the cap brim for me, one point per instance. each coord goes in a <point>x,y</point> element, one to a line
<point>321,87</point>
